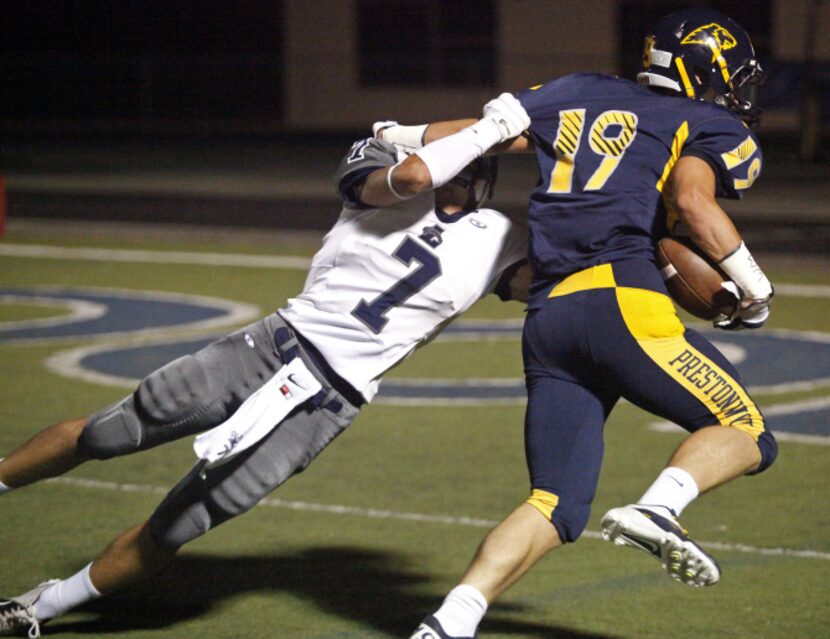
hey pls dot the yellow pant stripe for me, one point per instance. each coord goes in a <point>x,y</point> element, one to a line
<point>651,319</point>
<point>543,501</point>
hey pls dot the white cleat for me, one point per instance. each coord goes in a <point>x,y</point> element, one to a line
<point>665,539</point>
<point>431,628</point>
<point>17,615</point>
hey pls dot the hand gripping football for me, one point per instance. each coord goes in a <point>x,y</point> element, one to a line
<point>693,280</point>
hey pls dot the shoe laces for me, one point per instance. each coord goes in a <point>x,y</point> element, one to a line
<point>22,614</point>
<point>34,629</point>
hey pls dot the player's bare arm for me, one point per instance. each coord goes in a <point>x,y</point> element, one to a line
<point>436,163</point>
<point>389,185</point>
<point>443,128</point>
<point>504,108</point>
<point>691,193</point>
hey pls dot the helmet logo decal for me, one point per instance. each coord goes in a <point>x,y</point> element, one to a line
<point>712,35</point>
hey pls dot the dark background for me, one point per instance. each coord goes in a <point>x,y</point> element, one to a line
<point>180,65</point>
<point>141,88</point>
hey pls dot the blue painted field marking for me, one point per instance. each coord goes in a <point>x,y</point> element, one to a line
<point>773,361</point>
<point>105,312</point>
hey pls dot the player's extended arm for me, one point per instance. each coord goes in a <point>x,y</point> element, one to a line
<point>438,162</point>
<point>413,137</point>
<point>437,130</point>
<point>691,193</point>
<point>422,134</point>
<point>390,185</point>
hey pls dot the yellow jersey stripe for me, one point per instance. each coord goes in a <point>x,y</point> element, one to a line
<point>680,137</point>
<point>601,276</point>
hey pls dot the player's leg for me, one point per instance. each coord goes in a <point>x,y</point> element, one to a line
<point>680,376</point>
<point>563,441</point>
<point>186,396</point>
<point>131,556</point>
<point>50,453</point>
<point>506,554</point>
<point>204,499</point>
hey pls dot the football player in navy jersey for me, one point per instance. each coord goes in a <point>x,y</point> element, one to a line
<point>621,165</point>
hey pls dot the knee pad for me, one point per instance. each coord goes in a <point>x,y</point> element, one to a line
<point>176,401</point>
<point>768,446</point>
<point>189,510</point>
<point>172,402</point>
<point>175,529</point>
<point>175,394</point>
<point>113,431</point>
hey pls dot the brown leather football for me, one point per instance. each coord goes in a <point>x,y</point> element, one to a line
<point>693,280</point>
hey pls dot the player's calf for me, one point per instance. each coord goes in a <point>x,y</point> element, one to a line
<point>50,453</point>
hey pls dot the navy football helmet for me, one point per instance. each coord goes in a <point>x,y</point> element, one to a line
<point>479,178</point>
<point>704,55</point>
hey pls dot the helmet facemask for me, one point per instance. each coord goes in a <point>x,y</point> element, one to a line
<point>742,96</point>
<point>479,179</point>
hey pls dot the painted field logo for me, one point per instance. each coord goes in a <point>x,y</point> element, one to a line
<point>712,35</point>
<point>772,362</point>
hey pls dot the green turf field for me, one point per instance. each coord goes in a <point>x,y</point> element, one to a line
<point>373,534</point>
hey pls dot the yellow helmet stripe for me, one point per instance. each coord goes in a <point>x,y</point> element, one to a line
<point>716,55</point>
<point>681,68</point>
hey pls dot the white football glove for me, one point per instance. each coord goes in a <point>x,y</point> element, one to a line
<point>380,125</point>
<point>406,138</point>
<point>750,313</point>
<point>509,116</point>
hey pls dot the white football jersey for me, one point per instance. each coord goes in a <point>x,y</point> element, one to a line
<point>387,280</point>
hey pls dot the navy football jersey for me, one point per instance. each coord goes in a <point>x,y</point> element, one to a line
<point>605,147</point>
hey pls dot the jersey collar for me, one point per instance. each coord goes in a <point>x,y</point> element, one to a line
<point>451,218</point>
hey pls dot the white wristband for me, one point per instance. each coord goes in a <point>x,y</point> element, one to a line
<point>392,188</point>
<point>742,269</point>
<point>446,157</point>
<point>409,138</point>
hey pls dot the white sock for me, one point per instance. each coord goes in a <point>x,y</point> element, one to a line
<point>3,487</point>
<point>65,595</point>
<point>674,489</point>
<point>462,611</point>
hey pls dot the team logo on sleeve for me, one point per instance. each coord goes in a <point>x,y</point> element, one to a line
<point>709,34</point>
<point>742,153</point>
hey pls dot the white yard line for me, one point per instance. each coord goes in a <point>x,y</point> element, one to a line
<point>153,257</point>
<point>374,513</point>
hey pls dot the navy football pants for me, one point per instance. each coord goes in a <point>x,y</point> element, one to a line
<point>607,332</point>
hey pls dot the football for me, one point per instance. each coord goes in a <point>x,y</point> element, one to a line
<point>693,280</point>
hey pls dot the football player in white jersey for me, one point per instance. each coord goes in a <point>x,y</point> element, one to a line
<point>412,250</point>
